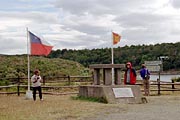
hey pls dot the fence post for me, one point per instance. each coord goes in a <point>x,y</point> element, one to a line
<point>173,85</point>
<point>69,80</point>
<point>18,85</point>
<point>44,80</point>
<point>159,87</point>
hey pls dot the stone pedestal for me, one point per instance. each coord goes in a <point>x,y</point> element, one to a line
<point>107,73</point>
<point>113,94</point>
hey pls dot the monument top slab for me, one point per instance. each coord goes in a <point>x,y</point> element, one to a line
<point>107,66</point>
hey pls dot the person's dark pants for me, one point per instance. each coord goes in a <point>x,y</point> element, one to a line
<point>34,92</point>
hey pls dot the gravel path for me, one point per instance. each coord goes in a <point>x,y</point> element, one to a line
<point>157,108</point>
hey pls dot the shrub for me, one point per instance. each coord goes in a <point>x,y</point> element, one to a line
<point>176,79</point>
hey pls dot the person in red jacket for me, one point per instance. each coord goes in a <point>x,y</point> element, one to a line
<point>130,75</point>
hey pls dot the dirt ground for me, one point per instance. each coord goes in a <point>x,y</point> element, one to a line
<point>157,108</point>
<point>12,107</point>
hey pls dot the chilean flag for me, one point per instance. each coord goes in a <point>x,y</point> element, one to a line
<point>39,46</point>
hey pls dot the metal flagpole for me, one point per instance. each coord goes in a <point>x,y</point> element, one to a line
<point>112,54</point>
<point>28,92</point>
<point>28,51</point>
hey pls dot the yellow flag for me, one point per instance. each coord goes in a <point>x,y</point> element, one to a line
<point>116,38</point>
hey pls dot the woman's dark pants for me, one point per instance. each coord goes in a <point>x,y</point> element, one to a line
<point>34,92</point>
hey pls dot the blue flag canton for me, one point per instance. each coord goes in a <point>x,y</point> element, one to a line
<point>34,38</point>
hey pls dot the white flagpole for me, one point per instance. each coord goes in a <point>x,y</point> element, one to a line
<point>28,52</point>
<point>112,54</point>
<point>28,92</point>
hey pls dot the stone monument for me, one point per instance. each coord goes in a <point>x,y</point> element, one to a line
<point>116,93</point>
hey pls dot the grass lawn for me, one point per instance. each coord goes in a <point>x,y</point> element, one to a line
<point>53,107</point>
<point>64,107</point>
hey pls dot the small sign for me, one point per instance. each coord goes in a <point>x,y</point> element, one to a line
<point>122,92</point>
<point>153,65</point>
<point>153,62</point>
<point>154,68</point>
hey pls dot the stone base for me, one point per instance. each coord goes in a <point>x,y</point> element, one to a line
<point>108,93</point>
<point>29,95</point>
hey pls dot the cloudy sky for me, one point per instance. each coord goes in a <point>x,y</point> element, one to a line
<point>79,24</point>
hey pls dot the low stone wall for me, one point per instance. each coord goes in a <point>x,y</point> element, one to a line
<point>113,94</point>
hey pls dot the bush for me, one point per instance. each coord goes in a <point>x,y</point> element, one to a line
<point>4,82</point>
<point>176,79</point>
<point>91,99</point>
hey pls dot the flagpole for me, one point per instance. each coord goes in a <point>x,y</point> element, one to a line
<point>28,51</point>
<point>28,92</point>
<point>112,58</point>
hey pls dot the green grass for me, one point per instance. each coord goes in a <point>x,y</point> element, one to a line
<point>90,99</point>
<point>56,107</point>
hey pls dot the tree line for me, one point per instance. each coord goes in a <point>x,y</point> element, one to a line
<point>169,53</point>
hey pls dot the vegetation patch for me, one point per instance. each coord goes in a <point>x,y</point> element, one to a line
<point>91,99</point>
<point>176,79</point>
<point>12,67</point>
<point>135,54</point>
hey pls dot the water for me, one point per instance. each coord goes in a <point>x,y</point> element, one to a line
<point>165,78</point>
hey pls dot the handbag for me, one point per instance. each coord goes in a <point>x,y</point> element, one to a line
<point>147,76</point>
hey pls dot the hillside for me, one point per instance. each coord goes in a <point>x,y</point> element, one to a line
<point>11,66</point>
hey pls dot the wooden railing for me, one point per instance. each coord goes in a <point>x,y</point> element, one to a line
<point>163,86</point>
<point>48,83</point>
<point>74,81</point>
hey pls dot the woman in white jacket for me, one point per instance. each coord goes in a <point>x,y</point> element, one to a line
<point>36,84</point>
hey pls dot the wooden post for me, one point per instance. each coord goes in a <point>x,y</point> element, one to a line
<point>69,80</point>
<point>173,85</point>
<point>44,80</point>
<point>159,87</point>
<point>18,85</point>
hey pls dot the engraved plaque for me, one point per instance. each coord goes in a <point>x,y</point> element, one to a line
<point>122,92</point>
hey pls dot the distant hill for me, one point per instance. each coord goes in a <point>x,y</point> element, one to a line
<point>11,66</point>
<point>135,54</point>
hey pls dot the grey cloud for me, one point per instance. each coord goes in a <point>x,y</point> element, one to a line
<point>39,17</point>
<point>138,35</point>
<point>124,10</point>
<point>144,28</point>
<point>102,6</point>
<point>89,29</point>
<point>69,45</point>
<point>151,34</point>
<point>80,42</point>
<point>75,6</point>
<point>140,19</point>
<point>175,3</point>
<point>11,46</point>
<point>77,24</point>
<point>43,17</point>
<point>85,24</point>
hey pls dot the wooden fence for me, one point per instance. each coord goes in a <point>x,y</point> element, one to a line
<point>161,86</point>
<point>60,82</point>
<point>73,82</point>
